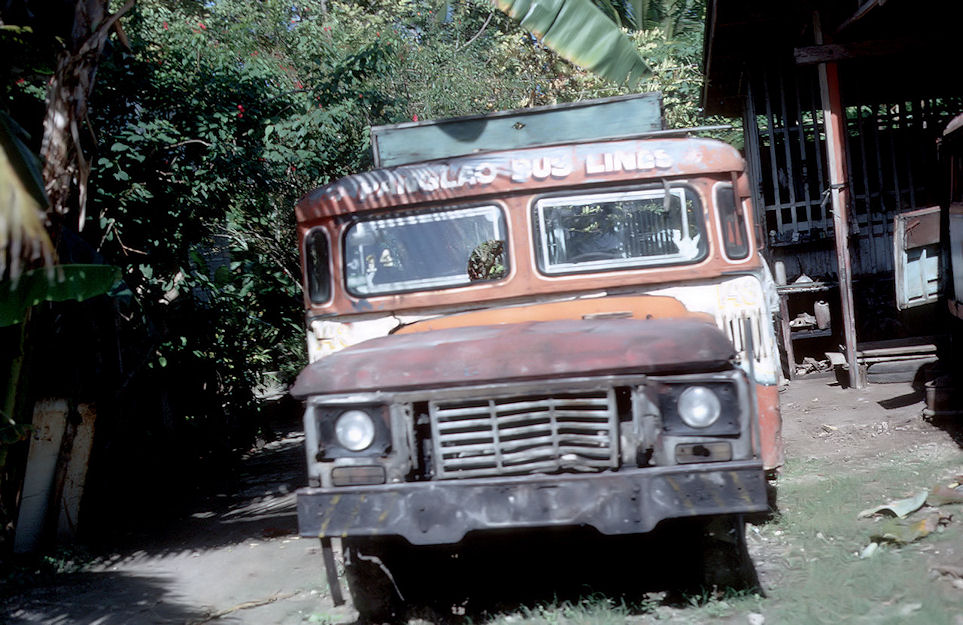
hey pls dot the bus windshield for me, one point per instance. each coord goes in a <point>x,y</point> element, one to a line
<point>620,230</point>
<point>425,250</point>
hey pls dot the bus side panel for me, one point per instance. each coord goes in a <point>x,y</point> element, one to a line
<point>770,425</point>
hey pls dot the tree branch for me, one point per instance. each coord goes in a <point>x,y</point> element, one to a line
<point>478,34</point>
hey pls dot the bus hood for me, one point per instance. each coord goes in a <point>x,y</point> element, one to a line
<point>511,352</point>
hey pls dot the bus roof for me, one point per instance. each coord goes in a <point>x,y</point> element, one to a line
<point>530,169</point>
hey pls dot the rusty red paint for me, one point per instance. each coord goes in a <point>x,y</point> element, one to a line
<point>628,307</point>
<point>516,171</point>
<point>770,426</point>
<point>521,351</point>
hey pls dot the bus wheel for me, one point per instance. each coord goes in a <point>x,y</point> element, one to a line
<point>725,558</point>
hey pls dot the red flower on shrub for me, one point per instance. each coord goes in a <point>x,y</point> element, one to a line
<point>201,26</point>
<point>165,25</point>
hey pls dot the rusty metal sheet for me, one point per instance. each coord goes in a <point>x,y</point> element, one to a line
<point>770,426</point>
<point>529,170</point>
<point>587,120</point>
<point>531,350</point>
<point>615,307</point>
<point>523,281</point>
<point>921,227</point>
<point>625,502</point>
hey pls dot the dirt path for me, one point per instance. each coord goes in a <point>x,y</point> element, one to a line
<point>237,558</point>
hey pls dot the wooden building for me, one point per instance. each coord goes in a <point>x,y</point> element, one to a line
<point>843,103</point>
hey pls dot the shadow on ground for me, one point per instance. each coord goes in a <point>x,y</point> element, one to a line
<point>80,598</point>
<point>520,572</point>
<point>951,424</point>
<point>901,401</point>
<point>258,503</point>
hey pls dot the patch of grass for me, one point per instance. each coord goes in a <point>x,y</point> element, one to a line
<point>713,605</point>
<point>825,580</point>
<point>601,610</point>
<point>811,552</point>
<point>592,610</point>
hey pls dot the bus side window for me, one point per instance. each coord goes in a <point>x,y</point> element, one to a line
<point>732,220</point>
<point>317,266</point>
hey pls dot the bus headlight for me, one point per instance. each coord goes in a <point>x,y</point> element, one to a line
<point>355,430</point>
<point>699,407</point>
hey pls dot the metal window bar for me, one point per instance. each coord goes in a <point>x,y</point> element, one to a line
<point>786,160</point>
<point>784,140</point>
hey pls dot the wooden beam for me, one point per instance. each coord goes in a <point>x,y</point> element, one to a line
<point>833,52</point>
<point>834,119</point>
<point>860,13</point>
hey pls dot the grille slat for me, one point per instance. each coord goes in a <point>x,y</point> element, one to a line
<point>463,424</point>
<point>579,443</point>
<point>530,434</point>
<point>524,469</point>
<point>562,417</point>
<point>600,405</point>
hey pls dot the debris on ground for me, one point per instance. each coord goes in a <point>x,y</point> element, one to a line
<point>755,618</point>
<point>900,508</point>
<point>905,531</point>
<point>902,530</point>
<point>811,365</point>
<point>949,570</point>
<point>943,495</point>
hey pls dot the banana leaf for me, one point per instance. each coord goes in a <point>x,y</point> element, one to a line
<point>582,33</point>
<point>53,284</point>
<point>22,202</point>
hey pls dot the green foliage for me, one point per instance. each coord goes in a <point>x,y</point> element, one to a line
<point>53,284</point>
<point>582,33</point>
<point>220,118</point>
<point>222,114</point>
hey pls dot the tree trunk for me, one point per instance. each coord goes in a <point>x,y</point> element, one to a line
<point>66,167</point>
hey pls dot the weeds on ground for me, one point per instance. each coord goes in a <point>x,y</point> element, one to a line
<point>823,578</point>
<point>813,557</point>
<point>601,610</point>
<point>34,570</point>
<point>591,610</point>
<point>718,603</point>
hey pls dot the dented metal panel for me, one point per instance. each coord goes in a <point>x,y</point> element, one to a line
<point>630,501</point>
<point>530,170</point>
<point>520,434</point>
<point>588,120</point>
<point>531,350</point>
<point>613,307</point>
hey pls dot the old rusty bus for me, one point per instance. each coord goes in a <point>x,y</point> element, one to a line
<point>560,335</point>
